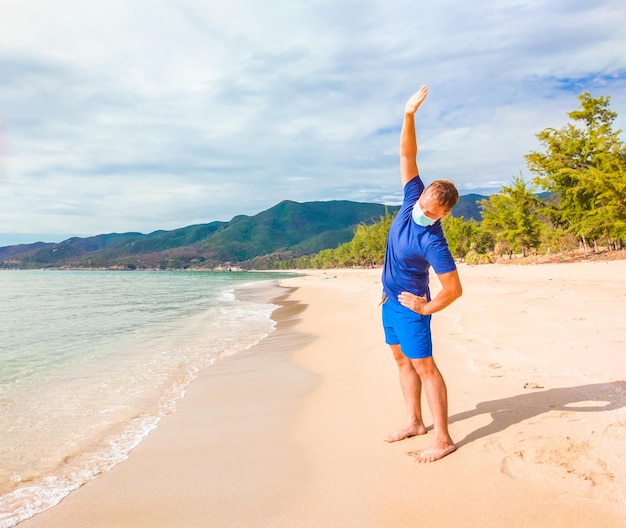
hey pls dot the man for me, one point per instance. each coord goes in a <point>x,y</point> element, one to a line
<point>415,243</point>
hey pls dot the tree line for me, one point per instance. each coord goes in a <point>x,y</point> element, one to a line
<point>581,171</point>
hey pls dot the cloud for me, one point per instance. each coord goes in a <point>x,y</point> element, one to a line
<point>124,116</point>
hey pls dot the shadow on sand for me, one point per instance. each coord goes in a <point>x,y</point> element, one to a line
<point>600,397</point>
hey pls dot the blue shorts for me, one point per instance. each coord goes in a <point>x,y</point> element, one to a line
<point>408,329</point>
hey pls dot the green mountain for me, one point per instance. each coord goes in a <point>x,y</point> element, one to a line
<point>289,228</point>
<point>467,207</point>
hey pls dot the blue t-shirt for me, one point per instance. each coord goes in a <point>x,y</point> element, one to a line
<point>412,249</point>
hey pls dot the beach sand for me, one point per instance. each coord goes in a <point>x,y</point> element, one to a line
<point>290,433</point>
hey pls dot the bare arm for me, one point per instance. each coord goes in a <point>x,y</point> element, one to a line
<point>450,291</point>
<point>408,140</point>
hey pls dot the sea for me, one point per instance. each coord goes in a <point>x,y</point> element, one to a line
<point>91,361</point>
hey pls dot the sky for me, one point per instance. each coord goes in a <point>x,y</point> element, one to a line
<point>140,115</point>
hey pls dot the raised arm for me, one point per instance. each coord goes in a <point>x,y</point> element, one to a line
<point>408,140</point>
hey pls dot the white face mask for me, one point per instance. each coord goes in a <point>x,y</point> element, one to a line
<point>420,218</point>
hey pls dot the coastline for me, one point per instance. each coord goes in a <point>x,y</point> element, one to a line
<point>289,433</point>
<point>225,441</point>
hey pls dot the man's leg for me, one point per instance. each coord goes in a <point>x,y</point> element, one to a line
<point>437,398</point>
<point>411,386</point>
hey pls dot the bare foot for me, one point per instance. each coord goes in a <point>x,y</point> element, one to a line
<point>435,452</point>
<point>406,432</point>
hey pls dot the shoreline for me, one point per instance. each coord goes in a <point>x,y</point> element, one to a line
<point>289,433</point>
<point>231,387</point>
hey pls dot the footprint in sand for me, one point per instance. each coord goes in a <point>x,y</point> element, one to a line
<point>616,430</point>
<point>560,464</point>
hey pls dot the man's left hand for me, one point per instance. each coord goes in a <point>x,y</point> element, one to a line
<point>413,302</point>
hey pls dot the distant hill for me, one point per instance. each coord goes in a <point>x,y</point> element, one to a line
<point>288,228</point>
<point>296,228</point>
<point>467,207</point>
<point>469,204</point>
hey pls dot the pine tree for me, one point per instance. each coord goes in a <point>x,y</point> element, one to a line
<point>584,163</point>
<point>512,217</point>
